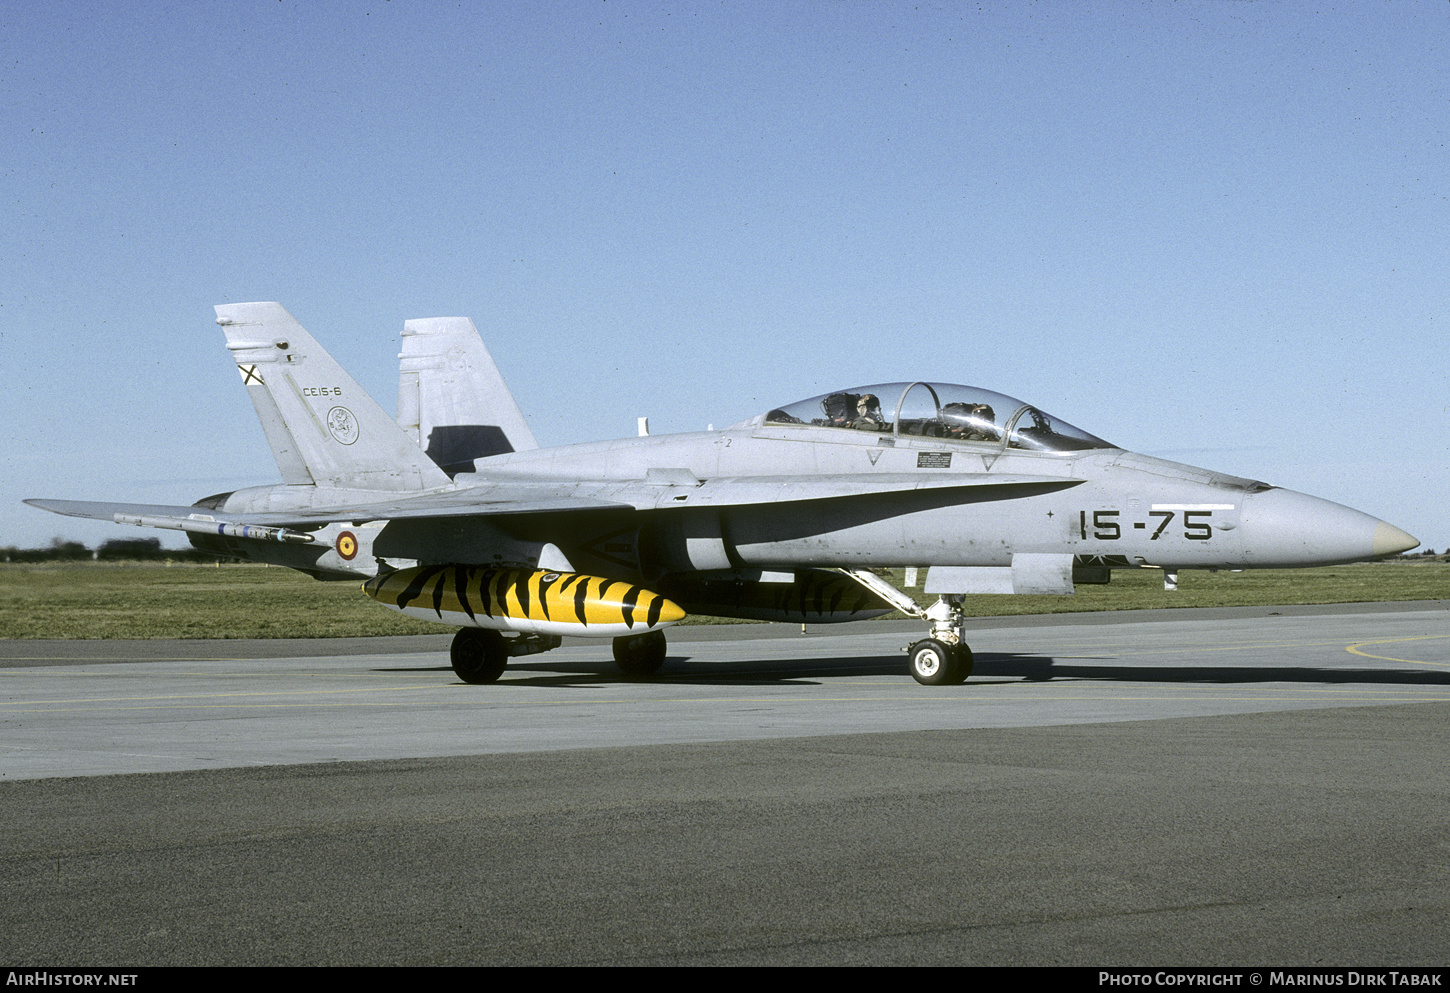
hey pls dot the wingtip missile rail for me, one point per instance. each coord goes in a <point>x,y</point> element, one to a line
<point>254,531</point>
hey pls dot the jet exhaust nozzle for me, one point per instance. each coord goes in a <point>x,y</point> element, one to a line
<point>532,601</point>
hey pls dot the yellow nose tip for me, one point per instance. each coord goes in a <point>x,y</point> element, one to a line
<point>1390,540</point>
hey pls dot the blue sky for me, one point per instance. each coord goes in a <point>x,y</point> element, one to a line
<point>1212,231</point>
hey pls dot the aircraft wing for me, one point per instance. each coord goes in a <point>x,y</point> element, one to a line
<point>214,521</point>
<point>662,490</point>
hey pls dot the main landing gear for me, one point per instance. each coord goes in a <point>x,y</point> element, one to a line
<point>640,655</point>
<point>480,655</point>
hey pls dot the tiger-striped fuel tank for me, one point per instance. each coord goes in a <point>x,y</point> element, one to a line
<point>815,597</point>
<point>529,601</point>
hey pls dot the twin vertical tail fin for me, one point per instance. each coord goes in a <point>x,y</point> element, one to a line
<point>323,428</point>
<point>451,398</point>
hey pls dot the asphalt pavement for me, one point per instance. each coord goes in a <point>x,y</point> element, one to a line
<point>1250,786</point>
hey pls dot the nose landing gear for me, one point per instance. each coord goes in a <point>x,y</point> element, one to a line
<point>936,664</point>
<point>942,658</point>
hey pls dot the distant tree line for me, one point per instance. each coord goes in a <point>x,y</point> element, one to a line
<point>115,550</point>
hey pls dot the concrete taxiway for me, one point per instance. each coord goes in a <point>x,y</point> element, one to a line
<point>87,708</point>
<point>1203,787</point>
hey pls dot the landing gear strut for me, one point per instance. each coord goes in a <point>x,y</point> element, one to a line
<point>640,654</point>
<point>479,655</point>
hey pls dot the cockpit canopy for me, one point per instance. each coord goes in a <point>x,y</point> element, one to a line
<point>939,410</point>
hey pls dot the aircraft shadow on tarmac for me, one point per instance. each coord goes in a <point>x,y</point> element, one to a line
<point>995,666</point>
<point>1033,667</point>
<point>679,670</point>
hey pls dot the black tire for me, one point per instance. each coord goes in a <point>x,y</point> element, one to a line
<point>933,663</point>
<point>962,664</point>
<point>479,655</point>
<point>640,654</point>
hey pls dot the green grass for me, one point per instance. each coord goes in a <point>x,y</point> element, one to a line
<point>104,600</point>
<point>99,600</point>
<point>1142,589</point>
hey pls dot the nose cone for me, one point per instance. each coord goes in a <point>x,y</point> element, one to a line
<point>1286,529</point>
<point>1390,540</point>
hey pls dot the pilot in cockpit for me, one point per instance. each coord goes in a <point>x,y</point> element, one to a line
<point>868,414</point>
<point>970,422</point>
<point>853,410</point>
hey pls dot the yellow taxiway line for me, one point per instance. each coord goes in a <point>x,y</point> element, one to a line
<point>1355,649</point>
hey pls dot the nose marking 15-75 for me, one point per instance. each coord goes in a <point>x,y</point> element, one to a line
<point>1197,523</point>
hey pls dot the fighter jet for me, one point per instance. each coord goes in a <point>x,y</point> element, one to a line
<point>452,512</point>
